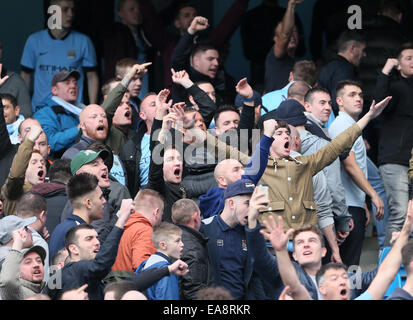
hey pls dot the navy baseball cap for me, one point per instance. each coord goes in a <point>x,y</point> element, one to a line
<point>240,187</point>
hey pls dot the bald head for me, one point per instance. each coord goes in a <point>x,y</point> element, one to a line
<point>93,122</point>
<point>228,171</point>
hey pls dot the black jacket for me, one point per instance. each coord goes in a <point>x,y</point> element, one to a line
<point>7,149</point>
<point>383,38</point>
<point>224,85</point>
<point>56,199</point>
<point>195,255</point>
<point>131,157</point>
<point>76,274</point>
<point>336,70</point>
<point>396,136</point>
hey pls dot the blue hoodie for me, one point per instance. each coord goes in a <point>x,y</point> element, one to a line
<point>166,288</point>
<point>212,203</point>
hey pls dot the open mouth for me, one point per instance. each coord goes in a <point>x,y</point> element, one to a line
<point>307,253</point>
<point>40,173</point>
<point>37,271</point>
<point>343,293</point>
<point>177,172</point>
<point>100,128</point>
<point>287,145</point>
<point>128,114</point>
<point>104,176</point>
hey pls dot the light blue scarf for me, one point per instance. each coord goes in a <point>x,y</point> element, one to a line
<point>13,129</point>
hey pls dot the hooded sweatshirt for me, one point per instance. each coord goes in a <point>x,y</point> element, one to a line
<point>212,203</point>
<point>135,245</point>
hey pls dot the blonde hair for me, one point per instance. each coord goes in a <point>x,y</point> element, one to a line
<point>164,232</point>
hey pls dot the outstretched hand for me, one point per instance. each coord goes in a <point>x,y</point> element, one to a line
<point>377,108</point>
<point>275,233</point>
<point>138,70</point>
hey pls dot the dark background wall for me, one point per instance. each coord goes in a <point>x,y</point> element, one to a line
<point>20,18</point>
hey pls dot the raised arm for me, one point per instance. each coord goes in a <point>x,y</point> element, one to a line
<point>279,239</point>
<point>287,25</point>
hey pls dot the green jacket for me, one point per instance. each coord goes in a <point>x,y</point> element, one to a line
<point>15,185</point>
<point>290,181</point>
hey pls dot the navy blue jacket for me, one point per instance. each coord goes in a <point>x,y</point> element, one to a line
<point>254,289</point>
<point>76,274</point>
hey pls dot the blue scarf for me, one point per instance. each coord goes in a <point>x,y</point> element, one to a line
<point>13,129</point>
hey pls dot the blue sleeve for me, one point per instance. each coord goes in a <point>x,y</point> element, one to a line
<point>365,296</point>
<point>58,138</point>
<point>89,54</point>
<point>259,160</point>
<point>28,59</point>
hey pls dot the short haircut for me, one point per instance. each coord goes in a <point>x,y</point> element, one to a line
<point>182,211</point>
<point>122,65</point>
<point>59,256</point>
<point>119,288</point>
<point>404,46</point>
<point>71,236</point>
<point>99,146</point>
<point>202,47</point>
<point>329,266</point>
<point>149,198</point>
<point>224,108</point>
<point>30,205</point>
<point>349,37</point>
<point>60,170</point>
<point>80,185</point>
<point>214,293</point>
<point>164,232</point>
<point>407,256</point>
<point>282,124</point>
<point>312,228</point>
<point>9,97</point>
<point>298,90</point>
<point>310,94</point>
<point>306,71</point>
<point>341,84</point>
<point>106,86</point>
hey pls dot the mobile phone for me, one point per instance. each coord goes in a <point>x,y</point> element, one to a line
<point>263,188</point>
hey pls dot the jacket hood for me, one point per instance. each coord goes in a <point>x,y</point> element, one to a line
<point>136,217</point>
<point>212,202</point>
<point>47,188</point>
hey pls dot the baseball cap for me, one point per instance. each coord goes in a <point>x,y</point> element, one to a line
<point>85,157</point>
<point>38,249</point>
<point>10,223</point>
<point>63,75</point>
<point>243,186</point>
<point>292,112</point>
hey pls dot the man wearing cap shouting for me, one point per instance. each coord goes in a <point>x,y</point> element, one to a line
<point>23,269</point>
<point>90,174</point>
<point>231,264</point>
<point>7,226</point>
<point>59,114</point>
